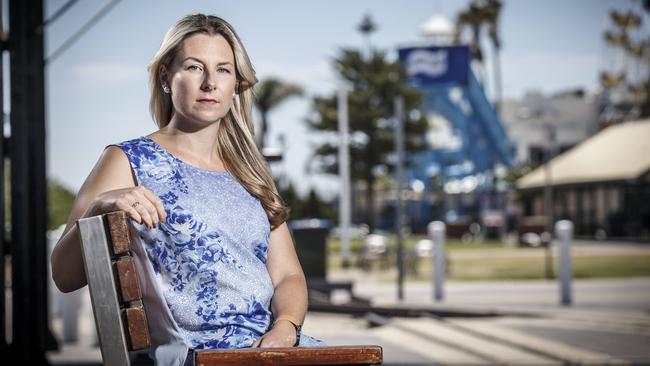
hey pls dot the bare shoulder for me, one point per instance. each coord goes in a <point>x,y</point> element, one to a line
<point>112,171</point>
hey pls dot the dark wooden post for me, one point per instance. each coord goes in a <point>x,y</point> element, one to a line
<point>30,333</point>
<point>3,47</point>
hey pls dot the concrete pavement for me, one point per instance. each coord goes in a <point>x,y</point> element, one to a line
<point>609,323</point>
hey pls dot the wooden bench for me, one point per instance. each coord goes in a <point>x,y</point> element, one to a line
<point>121,318</point>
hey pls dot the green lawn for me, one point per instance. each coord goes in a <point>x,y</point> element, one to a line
<point>334,245</point>
<point>497,261</point>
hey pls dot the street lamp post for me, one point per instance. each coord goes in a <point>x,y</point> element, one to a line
<point>399,179</point>
<point>548,196</point>
<point>344,174</point>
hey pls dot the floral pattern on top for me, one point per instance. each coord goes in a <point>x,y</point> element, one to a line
<point>210,254</point>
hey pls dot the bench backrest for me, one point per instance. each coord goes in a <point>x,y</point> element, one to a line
<point>114,288</point>
<point>121,320</point>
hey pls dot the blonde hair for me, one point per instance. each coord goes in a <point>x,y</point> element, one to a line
<point>235,136</point>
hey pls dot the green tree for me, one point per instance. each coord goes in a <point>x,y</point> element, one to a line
<point>315,207</point>
<point>374,84</point>
<point>480,14</point>
<point>474,17</point>
<point>59,201</point>
<point>269,94</point>
<point>631,40</point>
<point>311,207</point>
<point>291,198</point>
<point>59,204</point>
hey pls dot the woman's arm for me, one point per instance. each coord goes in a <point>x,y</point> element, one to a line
<point>289,303</point>
<point>110,180</point>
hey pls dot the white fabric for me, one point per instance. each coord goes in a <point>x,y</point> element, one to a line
<point>168,347</point>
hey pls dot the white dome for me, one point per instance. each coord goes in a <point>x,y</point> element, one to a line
<point>438,25</point>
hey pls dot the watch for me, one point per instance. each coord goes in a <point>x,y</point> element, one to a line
<point>298,331</point>
<point>298,328</point>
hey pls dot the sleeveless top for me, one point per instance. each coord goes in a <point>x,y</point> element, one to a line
<point>208,259</point>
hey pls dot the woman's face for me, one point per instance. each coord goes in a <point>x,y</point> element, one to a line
<point>202,79</point>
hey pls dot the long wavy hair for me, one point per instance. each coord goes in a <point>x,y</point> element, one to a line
<point>235,141</point>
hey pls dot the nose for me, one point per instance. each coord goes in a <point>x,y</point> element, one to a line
<point>208,82</point>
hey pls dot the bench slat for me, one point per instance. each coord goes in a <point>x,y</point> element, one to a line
<point>341,355</point>
<point>127,277</point>
<point>136,328</point>
<point>134,317</point>
<point>119,232</point>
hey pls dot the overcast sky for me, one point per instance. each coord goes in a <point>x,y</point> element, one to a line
<point>97,90</point>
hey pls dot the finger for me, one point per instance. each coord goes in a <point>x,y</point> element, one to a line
<point>256,343</point>
<point>269,342</point>
<point>149,206</point>
<point>134,200</point>
<point>123,204</point>
<point>155,200</point>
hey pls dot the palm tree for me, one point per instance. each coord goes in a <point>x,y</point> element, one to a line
<point>479,14</point>
<point>472,18</point>
<point>492,12</point>
<point>366,28</point>
<point>269,94</point>
<point>627,39</point>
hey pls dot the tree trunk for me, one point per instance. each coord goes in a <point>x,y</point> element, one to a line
<point>370,194</point>
<point>262,137</point>
<point>498,91</point>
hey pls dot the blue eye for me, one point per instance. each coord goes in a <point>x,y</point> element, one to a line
<point>223,70</point>
<point>194,67</point>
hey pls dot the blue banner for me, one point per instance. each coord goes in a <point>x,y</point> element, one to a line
<point>430,66</point>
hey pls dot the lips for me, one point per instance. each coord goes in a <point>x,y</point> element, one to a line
<point>207,101</point>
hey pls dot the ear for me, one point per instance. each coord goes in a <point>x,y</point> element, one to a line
<point>163,75</point>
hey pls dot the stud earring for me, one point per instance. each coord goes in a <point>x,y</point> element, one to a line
<point>166,89</point>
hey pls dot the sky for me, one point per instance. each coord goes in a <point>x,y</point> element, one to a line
<point>97,91</point>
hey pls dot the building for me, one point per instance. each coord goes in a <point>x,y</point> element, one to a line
<point>602,185</point>
<point>572,117</point>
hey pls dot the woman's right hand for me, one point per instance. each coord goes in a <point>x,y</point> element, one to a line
<point>139,203</point>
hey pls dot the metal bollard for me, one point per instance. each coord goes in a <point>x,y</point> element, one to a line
<point>564,232</point>
<point>437,234</point>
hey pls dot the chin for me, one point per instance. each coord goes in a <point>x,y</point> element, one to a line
<point>207,119</point>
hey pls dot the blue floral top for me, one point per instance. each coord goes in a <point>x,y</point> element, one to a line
<point>209,256</point>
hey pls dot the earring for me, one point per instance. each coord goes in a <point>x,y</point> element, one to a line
<point>166,89</point>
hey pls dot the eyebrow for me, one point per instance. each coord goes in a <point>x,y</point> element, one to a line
<point>201,61</point>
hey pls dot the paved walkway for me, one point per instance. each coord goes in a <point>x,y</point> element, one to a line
<point>609,323</point>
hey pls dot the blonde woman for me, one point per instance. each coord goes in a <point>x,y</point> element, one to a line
<point>203,204</point>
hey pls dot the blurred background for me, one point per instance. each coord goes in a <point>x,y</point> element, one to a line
<point>496,119</point>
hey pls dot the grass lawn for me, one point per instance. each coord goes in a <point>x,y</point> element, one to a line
<point>497,261</point>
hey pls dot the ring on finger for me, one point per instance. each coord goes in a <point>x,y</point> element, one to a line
<point>135,204</point>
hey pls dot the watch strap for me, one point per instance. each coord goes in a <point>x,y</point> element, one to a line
<point>295,324</point>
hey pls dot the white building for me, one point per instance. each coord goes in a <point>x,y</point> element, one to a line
<point>573,115</point>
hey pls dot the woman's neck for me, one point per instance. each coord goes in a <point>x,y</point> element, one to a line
<point>194,145</point>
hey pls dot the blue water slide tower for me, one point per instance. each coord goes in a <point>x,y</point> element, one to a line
<point>467,144</point>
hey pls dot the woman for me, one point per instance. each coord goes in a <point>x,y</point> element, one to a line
<point>202,204</point>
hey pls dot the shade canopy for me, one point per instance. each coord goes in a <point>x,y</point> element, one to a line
<point>620,152</point>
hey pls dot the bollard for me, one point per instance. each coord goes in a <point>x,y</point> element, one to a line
<point>564,232</point>
<point>437,234</point>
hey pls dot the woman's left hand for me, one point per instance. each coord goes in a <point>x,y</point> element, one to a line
<point>283,334</point>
